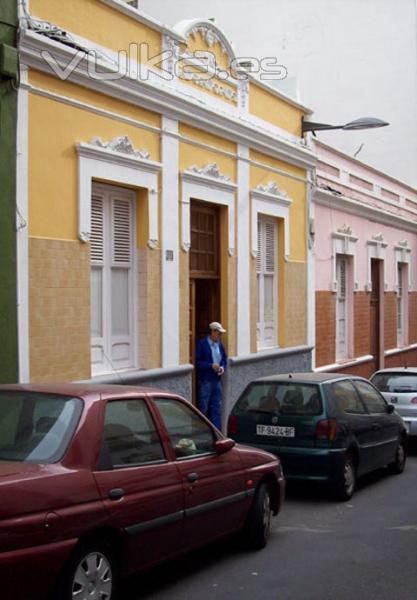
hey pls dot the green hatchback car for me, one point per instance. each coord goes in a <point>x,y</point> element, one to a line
<point>323,426</point>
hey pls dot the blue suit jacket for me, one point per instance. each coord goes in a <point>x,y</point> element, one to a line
<point>204,361</point>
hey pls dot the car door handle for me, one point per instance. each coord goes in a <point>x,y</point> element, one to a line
<point>376,427</point>
<point>116,493</point>
<point>192,477</point>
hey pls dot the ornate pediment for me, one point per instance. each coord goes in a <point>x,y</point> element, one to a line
<point>209,170</point>
<point>271,188</point>
<point>122,144</point>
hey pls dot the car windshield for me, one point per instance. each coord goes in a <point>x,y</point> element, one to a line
<point>286,398</point>
<point>395,382</point>
<point>36,427</point>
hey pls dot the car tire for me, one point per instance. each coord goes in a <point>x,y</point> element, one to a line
<point>90,572</point>
<point>346,480</point>
<point>398,465</point>
<point>258,523</point>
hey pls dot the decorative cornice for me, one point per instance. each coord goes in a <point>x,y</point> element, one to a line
<point>121,144</point>
<point>272,188</point>
<point>99,151</point>
<point>345,230</point>
<point>167,100</point>
<point>209,170</point>
<point>210,36</point>
<point>378,239</point>
<point>354,207</point>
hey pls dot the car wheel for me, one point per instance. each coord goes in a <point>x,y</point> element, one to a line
<point>258,523</point>
<point>398,465</point>
<point>346,480</point>
<point>90,574</point>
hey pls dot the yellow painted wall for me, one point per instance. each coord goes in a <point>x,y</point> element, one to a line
<point>54,131</point>
<point>277,111</point>
<point>296,191</point>
<point>97,22</point>
<point>193,155</point>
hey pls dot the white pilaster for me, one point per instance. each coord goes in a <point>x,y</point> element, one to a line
<point>22,229</point>
<point>243,251</point>
<point>170,243</point>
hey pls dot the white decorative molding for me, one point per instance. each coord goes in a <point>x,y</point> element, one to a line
<point>344,242</point>
<point>96,162</point>
<point>210,36</point>
<point>402,254</point>
<point>272,188</point>
<point>376,249</point>
<point>209,170</point>
<point>199,186</point>
<point>270,204</point>
<point>121,144</point>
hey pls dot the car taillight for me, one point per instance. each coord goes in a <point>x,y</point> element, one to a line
<point>326,430</point>
<point>414,401</point>
<point>232,425</point>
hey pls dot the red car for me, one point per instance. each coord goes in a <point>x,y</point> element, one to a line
<point>97,482</point>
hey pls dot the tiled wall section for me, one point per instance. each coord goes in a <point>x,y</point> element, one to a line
<point>412,315</point>
<point>361,310</point>
<point>59,319</point>
<point>325,328</point>
<point>149,308</point>
<point>295,304</point>
<point>390,320</point>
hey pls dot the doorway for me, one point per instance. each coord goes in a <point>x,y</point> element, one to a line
<point>204,272</point>
<point>374,333</point>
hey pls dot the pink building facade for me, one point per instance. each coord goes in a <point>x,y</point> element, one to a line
<point>364,248</point>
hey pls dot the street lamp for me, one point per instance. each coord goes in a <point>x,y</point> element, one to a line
<point>362,123</point>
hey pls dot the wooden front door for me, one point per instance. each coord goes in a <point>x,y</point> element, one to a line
<point>204,271</point>
<point>374,312</point>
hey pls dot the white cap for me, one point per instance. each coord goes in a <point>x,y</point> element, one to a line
<point>217,327</point>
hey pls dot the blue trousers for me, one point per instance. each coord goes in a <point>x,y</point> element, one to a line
<point>209,400</point>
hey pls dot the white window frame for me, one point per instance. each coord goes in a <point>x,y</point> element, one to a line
<point>271,202</point>
<point>266,331</point>
<point>100,162</point>
<point>102,347</point>
<point>343,300</point>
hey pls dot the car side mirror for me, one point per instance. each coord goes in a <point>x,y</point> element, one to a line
<point>390,409</point>
<point>223,446</point>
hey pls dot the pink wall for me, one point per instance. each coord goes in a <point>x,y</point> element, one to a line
<point>370,189</point>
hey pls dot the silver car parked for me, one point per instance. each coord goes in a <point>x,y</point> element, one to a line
<point>398,385</point>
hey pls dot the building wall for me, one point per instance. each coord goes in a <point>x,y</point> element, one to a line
<point>169,152</point>
<point>365,215</point>
<point>8,217</point>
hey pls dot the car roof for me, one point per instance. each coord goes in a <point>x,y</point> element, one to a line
<point>411,370</point>
<point>87,391</point>
<point>307,377</point>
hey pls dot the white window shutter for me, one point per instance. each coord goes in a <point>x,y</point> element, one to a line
<point>97,229</point>
<point>267,283</point>
<point>122,231</point>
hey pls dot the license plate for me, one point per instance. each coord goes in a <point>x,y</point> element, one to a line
<point>275,430</point>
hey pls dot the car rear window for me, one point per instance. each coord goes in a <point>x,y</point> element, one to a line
<point>36,427</point>
<point>286,398</point>
<point>395,382</point>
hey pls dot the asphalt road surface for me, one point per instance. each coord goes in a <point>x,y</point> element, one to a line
<point>365,549</point>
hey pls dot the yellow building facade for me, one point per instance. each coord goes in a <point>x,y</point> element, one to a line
<point>160,187</point>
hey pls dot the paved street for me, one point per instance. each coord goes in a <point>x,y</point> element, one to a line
<point>319,550</point>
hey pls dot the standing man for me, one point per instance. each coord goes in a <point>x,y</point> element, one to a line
<point>211,362</point>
